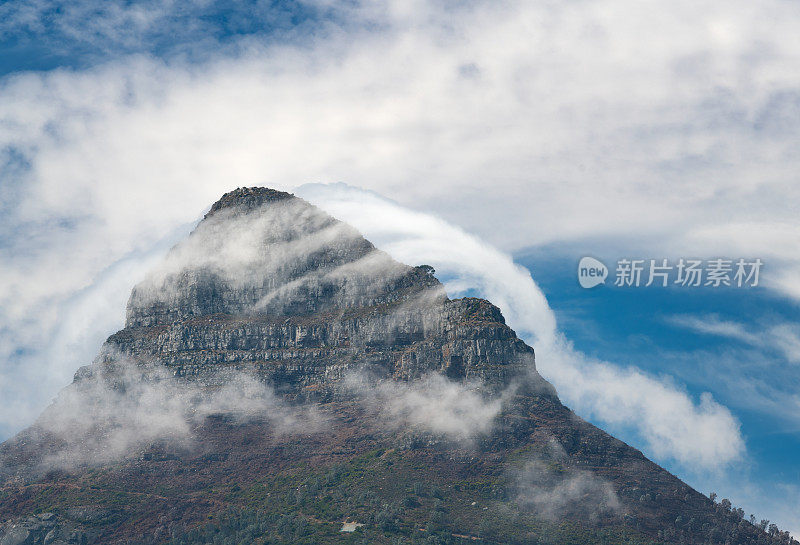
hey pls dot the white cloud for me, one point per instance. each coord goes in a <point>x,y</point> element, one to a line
<point>787,339</point>
<point>553,494</point>
<point>432,404</point>
<point>526,123</point>
<point>57,331</point>
<point>105,417</point>
<point>713,325</point>
<point>783,337</point>
<point>702,435</point>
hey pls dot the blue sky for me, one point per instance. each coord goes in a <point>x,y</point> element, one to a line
<point>536,131</point>
<point>654,329</point>
<point>44,35</point>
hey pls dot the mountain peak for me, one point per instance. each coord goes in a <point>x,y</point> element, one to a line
<point>270,280</point>
<point>249,197</point>
<point>277,361</point>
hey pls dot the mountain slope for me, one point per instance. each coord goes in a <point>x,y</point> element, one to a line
<point>278,376</point>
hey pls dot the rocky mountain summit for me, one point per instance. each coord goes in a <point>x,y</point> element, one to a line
<point>278,376</point>
<point>269,281</point>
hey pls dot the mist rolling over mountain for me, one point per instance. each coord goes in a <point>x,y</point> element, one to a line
<point>279,379</point>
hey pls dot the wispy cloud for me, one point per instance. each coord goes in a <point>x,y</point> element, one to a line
<point>781,337</point>
<point>672,425</point>
<point>114,411</point>
<point>553,491</point>
<point>432,404</point>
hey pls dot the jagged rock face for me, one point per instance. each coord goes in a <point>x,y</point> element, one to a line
<point>269,282</point>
